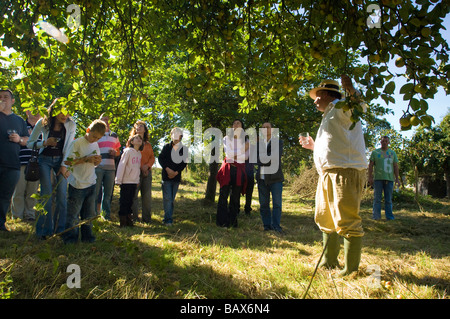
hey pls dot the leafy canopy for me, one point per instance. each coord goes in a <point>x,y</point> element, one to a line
<point>118,55</point>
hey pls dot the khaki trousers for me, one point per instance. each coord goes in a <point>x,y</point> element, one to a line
<point>22,205</point>
<point>338,199</point>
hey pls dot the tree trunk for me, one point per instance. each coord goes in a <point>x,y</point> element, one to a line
<point>210,195</point>
<point>447,180</point>
<point>416,177</point>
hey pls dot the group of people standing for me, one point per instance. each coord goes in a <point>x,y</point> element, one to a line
<point>340,159</point>
<point>88,169</point>
<point>236,176</point>
<point>76,175</point>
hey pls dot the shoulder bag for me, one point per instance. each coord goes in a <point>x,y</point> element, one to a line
<point>32,173</point>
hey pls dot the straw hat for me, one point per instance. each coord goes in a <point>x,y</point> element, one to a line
<point>328,85</point>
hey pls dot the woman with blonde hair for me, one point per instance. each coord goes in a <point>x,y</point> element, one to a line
<point>173,159</point>
<point>145,184</point>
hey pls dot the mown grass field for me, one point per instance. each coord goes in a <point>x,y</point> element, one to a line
<point>196,259</point>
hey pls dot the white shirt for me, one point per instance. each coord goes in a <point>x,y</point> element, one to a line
<point>263,168</point>
<point>336,146</point>
<point>40,129</point>
<point>83,175</point>
<point>234,147</point>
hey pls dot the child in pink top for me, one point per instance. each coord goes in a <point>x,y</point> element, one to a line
<point>127,176</point>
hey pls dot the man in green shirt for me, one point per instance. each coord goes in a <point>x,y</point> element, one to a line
<point>383,171</point>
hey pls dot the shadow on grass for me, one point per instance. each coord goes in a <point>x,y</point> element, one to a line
<point>120,256</point>
<point>439,283</point>
<point>193,215</point>
<point>119,269</point>
<point>408,233</point>
<point>414,229</point>
<point>123,263</point>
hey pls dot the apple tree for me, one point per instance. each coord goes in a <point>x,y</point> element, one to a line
<point>430,151</point>
<point>114,45</point>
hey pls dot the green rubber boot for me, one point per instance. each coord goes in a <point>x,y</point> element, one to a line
<point>330,256</point>
<point>352,248</point>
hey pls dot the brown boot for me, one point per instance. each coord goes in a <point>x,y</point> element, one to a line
<point>129,219</point>
<point>123,220</point>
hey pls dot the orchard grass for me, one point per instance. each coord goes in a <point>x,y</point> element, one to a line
<point>196,259</point>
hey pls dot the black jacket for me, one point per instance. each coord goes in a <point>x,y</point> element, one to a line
<point>278,175</point>
<point>165,160</point>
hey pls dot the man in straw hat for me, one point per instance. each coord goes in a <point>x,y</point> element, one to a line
<point>339,156</point>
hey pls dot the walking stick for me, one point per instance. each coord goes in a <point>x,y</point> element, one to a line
<point>315,270</point>
<point>78,225</point>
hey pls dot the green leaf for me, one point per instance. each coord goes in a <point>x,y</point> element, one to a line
<point>340,104</point>
<point>407,88</point>
<point>35,196</point>
<point>390,88</point>
<point>415,104</point>
<point>415,22</point>
<point>244,103</point>
<point>423,105</point>
<point>44,255</point>
<point>55,265</point>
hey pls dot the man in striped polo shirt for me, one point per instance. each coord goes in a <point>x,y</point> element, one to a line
<point>109,146</point>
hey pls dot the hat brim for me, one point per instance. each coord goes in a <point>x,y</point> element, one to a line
<point>313,92</point>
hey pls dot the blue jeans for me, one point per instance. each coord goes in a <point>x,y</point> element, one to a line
<point>81,204</point>
<point>271,219</point>
<point>53,221</point>
<point>380,187</point>
<point>8,181</point>
<point>105,178</point>
<point>169,190</point>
